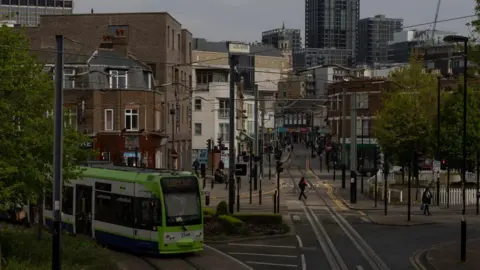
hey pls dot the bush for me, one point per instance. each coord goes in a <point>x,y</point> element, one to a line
<point>222,208</point>
<point>260,218</point>
<point>22,250</point>
<point>209,211</point>
<point>231,224</point>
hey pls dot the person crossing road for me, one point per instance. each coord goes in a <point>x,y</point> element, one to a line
<point>302,185</point>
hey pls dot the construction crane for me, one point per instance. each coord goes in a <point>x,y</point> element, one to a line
<point>435,23</point>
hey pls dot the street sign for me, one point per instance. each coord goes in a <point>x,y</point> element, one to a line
<point>241,169</point>
<point>436,165</point>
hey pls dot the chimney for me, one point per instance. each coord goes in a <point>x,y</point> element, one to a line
<point>91,11</point>
<point>120,41</point>
<point>106,44</point>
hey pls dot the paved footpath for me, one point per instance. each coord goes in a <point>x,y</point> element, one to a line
<point>447,256</point>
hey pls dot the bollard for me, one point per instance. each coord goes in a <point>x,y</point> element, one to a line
<point>275,202</point>
<point>212,181</point>
<point>204,182</point>
<point>207,198</point>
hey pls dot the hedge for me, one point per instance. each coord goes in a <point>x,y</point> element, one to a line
<point>209,211</point>
<point>231,224</point>
<point>259,218</point>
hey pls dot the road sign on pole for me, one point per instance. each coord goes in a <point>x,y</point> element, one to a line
<point>240,169</point>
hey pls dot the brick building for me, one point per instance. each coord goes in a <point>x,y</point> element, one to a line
<point>368,93</point>
<point>160,44</point>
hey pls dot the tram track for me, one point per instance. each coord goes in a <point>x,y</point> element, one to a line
<point>170,263</point>
<point>330,250</point>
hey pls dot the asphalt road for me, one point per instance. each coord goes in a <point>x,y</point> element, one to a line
<point>280,253</point>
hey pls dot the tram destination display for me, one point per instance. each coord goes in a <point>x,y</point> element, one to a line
<point>177,184</point>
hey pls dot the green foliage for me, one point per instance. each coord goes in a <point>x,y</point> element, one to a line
<point>231,225</point>
<point>451,127</point>
<point>222,208</point>
<point>22,252</point>
<point>404,122</point>
<point>26,140</point>
<point>209,211</point>
<point>259,218</point>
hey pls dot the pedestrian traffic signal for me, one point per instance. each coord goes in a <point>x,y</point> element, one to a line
<point>443,165</point>
<point>209,145</point>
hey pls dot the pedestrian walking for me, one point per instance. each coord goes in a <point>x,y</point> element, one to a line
<point>302,185</point>
<point>426,201</point>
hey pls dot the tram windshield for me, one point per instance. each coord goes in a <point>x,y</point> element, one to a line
<point>182,201</point>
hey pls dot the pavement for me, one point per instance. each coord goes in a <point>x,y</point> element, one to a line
<point>447,256</point>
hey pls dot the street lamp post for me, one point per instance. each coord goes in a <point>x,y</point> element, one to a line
<point>172,113</point>
<point>463,224</point>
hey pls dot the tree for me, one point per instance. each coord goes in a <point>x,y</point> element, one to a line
<point>404,122</point>
<point>451,127</point>
<point>26,137</point>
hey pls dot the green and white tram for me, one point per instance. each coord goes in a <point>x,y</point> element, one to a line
<point>152,212</point>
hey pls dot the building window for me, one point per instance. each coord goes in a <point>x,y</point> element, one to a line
<point>158,120</point>
<point>198,129</point>
<point>148,79</point>
<point>118,79</point>
<point>362,100</point>
<point>71,118</point>
<point>223,131</point>
<point>173,39</point>
<point>69,78</point>
<point>109,119</point>
<point>179,42</point>
<point>250,110</point>
<point>224,108</point>
<point>198,104</point>
<point>168,36</point>
<point>131,119</point>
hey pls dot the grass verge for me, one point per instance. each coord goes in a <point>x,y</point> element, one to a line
<point>22,251</point>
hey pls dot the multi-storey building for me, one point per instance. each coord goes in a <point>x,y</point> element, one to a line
<point>374,34</point>
<point>111,96</point>
<point>27,12</point>
<point>157,40</point>
<point>368,97</point>
<point>263,69</point>
<point>332,25</point>
<point>284,39</point>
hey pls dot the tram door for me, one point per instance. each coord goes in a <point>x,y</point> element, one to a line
<point>83,211</point>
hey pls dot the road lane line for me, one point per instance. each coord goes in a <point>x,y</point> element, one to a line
<point>299,240</point>
<point>304,263</point>
<point>254,245</point>
<point>359,267</point>
<point>262,254</point>
<point>273,264</point>
<point>228,256</point>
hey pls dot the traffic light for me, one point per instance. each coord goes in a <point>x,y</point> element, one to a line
<point>279,166</point>
<point>209,145</point>
<point>278,154</point>
<point>219,142</point>
<point>378,157</point>
<point>443,165</point>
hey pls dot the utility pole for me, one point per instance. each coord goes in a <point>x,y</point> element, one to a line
<point>231,133</point>
<point>262,126</point>
<point>233,51</point>
<point>363,158</point>
<point>438,141</point>
<point>344,134</point>
<point>58,157</point>
<point>353,148</point>
<point>255,140</point>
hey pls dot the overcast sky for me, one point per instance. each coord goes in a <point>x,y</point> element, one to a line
<point>243,20</point>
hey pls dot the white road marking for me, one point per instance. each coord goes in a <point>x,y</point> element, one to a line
<point>299,240</point>
<point>304,263</point>
<point>364,219</point>
<point>262,254</point>
<point>253,245</point>
<point>359,267</point>
<point>274,264</point>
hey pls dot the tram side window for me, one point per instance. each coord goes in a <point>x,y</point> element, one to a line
<point>67,200</point>
<point>103,207</point>
<point>148,213</point>
<point>123,209</point>
<point>48,200</point>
